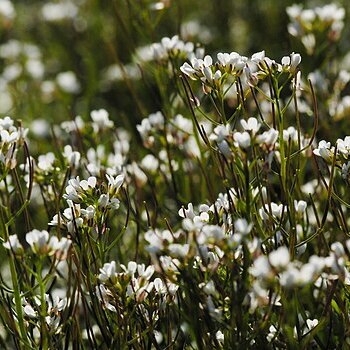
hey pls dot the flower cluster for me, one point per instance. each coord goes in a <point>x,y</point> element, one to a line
<point>307,24</point>
<point>169,48</point>
<point>96,200</point>
<point>230,66</point>
<point>41,243</point>
<point>10,137</point>
<point>136,283</point>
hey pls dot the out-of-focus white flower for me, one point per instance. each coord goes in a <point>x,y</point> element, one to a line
<point>345,170</point>
<point>12,72</point>
<point>193,28</point>
<point>307,24</point>
<point>53,12</point>
<point>35,68</point>
<point>76,124</point>
<point>300,206</point>
<point>46,161</point>
<point>40,127</point>
<point>73,157</point>
<point>261,267</point>
<point>100,120</point>
<point>7,10</point>
<point>268,138</point>
<point>178,250</point>
<point>158,240</point>
<point>68,82</point>
<point>242,226</point>
<point>279,258</point>
<point>48,88</point>
<point>13,244</point>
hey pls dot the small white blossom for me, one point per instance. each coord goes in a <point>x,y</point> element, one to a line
<point>13,244</point>
<point>68,82</point>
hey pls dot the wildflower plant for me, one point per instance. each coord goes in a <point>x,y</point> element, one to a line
<point>206,208</point>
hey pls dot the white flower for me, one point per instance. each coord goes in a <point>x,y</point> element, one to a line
<point>276,210</point>
<point>343,146</point>
<point>100,120</point>
<point>311,323</point>
<point>13,244</point>
<point>89,212</point>
<point>35,68</point>
<point>145,273</point>
<point>187,213</point>
<point>261,267</point>
<point>290,277</point>
<point>103,200</point>
<point>62,248</point>
<point>104,295</point>
<point>130,269</point>
<point>290,134</point>
<point>178,250</point>
<point>77,188</point>
<point>268,137</point>
<point>272,333</point>
<point>209,288</point>
<point>68,82</point>
<point>150,163</point>
<point>73,157</point>
<point>29,311</point>
<point>53,12</point>
<point>114,203</point>
<point>220,337</point>
<point>242,226</point>
<point>300,206</point>
<point>45,162</point>
<point>242,138</point>
<point>7,9</point>
<point>279,258</point>
<point>41,242</point>
<point>108,271</point>
<point>233,61</point>
<point>40,128</point>
<point>76,124</point>
<point>324,150</point>
<point>258,57</point>
<point>251,124</point>
<point>291,62</point>
<point>114,183</point>
<point>220,133</point>
<point>158,239</point>
<point>187,69</point>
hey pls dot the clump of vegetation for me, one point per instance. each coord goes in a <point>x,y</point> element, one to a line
<point>162,192</point>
